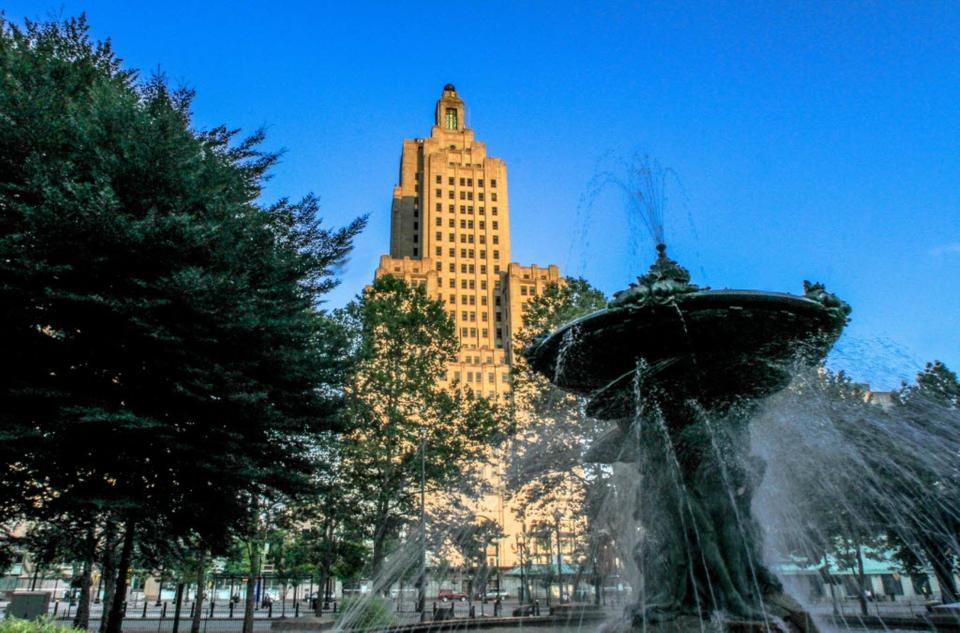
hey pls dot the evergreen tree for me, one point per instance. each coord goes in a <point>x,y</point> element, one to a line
<point>166,360</point>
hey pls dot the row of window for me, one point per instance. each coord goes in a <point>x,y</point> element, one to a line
<point>467,253</point>
<point>464,239</point>
<point>472,316</point>
<point>485,333</point>
<point>475,360</point>
<point>532,291</point>
<point>468,284</point>
<point>464,208</point>
<point>465,195</point>
<point>464,182</point>
<point>464,224</point>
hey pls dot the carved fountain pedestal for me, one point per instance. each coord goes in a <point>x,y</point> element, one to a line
<point>681,369</point>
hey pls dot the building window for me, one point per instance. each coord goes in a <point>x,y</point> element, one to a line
<point>452,251</point>
<point>496,239</point>
<point>453,267</point>
<point>416,251</point>
<point>473,332</point>
<point>470,209</point>
<point>439,221</point>
<point>453,299</point>
<point>483,225</point>
<point>482,212</point>
<point>450,119</point>
<point>473,317</point>
<point>471,271</point>
<point>450,181</point>
<point>473,302</point>
<point>463,284</point>
<point>463,181</point>
<point>463,195</point>
<point>496,269</point>
<point>483,284</point>
<point>452,237</point>
<point>439,251</point>
<point>416,238</point>
<point>469,224</point>
<point>469,182</point>
<point>493,210</point>
<point>463,224</point>
<point>500,333</point>
<point>439,208</point>
<point>439,236</point>
<point>499,316</point>
<point>473,284</point>
<point>480,196</point>
<point>463,315</point>
<point>523,290</point>
<point>463,239</point>
<point>483,302</point>
<point>496,255</point>
<point>469,195</point>
<point>439,192</point>
<point>463,208</point>
<point>451,223</point>
<point>484,317</point>
<point>416,226</point>
<point>469,238</point>
<point>439,179</point>
<point>439,267</point>
<point>483,239</point>
<point>496,225</point>
<point>453,283</point>
<point>480,182</point>
<point>451,208</point>
<point>493,183</point>
<point>463,268</point>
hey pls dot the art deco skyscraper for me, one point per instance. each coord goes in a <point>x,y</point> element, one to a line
<point>450,231</point>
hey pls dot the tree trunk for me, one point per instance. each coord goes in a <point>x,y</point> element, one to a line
<point>198,600</point>
<point>861,581</point>
<point>178,605</point>
<point>250,601</point>
<point>82,618</point>
<point>115,621</point>
<point>108,571</point>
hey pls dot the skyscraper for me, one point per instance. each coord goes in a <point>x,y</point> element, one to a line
<point>450,231</point>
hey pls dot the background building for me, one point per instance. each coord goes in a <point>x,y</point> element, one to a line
<point>450,232</point>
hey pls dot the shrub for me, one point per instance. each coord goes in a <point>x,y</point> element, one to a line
<point>44,625</point>
<point>365,612</point>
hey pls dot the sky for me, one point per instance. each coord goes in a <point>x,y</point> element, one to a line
<point>803,140</point>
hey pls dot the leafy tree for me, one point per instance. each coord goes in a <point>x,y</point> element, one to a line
<point>924,476</point>
<point>149,303</point>
<point>399,415</point>
<point>547,473</point>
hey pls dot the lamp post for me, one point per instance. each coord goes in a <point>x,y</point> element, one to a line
<point>422,581</point>
<point>556,518</point>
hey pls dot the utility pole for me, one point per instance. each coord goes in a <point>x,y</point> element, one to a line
<point>422,588</point>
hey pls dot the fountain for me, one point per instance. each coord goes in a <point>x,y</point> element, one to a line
<point>681,369</point>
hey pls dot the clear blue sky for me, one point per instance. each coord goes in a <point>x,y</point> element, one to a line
<point>811,140</point>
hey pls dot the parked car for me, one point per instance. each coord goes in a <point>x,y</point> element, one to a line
<point>486,596</point>
<point>446,595</point>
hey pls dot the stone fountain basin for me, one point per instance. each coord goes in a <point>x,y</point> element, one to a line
<point>746,342</point>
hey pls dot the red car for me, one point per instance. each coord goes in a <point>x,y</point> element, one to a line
<point>445,595</point>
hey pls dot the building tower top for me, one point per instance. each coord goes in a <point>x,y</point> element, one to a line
<point>450,111</point>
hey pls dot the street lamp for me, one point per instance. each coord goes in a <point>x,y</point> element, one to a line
<point>556,519</point>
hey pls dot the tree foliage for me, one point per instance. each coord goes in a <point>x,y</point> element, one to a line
<point>399,413</point>
<point>165,357</point>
